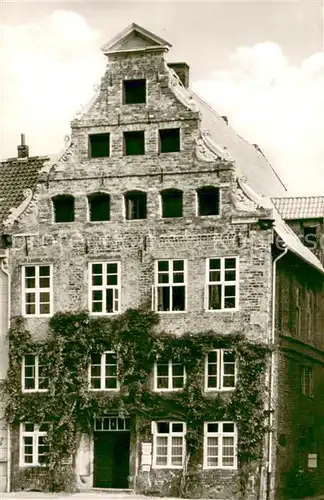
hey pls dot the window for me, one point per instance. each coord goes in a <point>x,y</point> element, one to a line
<point>103,372</point>
<point>33,446</point>
<point>169,375</point>
<point>37,290</point>
<point>169,140</point>
<point>135,205</point>
<point>113,423</point>
<point>63,208</point>
<point>220,442</point>
<point>168,444</point>
<point>220,370</point>
<point>99,145</point>
<point>222,283</point>
<point>171,203</point>
<point>134,143</point>
<point>306,381</point>
<point>99,207</point>
<point>104,287</point>
<point>134,91</point>
<point>208,201</point>
<point>33,374</point>
<point>298,312</point>
<point>170,285</point>
<point>310,237</point>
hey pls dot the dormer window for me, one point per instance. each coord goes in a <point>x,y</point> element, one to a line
<point>208,200</point>
<point>99,207</point>
<point>134,91</point>
<point>134,143</point>
<point>99,145</point>
<point>63,206</point>
<point>169,140</point>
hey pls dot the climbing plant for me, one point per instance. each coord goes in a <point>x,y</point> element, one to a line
<point>70,406</point>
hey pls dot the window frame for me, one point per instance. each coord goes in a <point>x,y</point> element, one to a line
<point>220,435</point>
<point>201,188</point>
<point>163,130</point>
<point>142,195</point>
<point>124,91</point>
<point>220,372</point>
<point>35,435</point>
<point>127,133</point>
<point>223,283</point>
<point>58,197</point>
<point>165,193</point>
<point>307,381</point>
<point>169,436</point>
<point>170,387</point>
<point>104,287</point>
<point>170,285</point>
<point>103,374</point>
<point>93,196</point>
<point>90,145</point>
<point>36,374</point>
<point>36,290</point>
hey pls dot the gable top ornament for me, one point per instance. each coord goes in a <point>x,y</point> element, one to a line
<point>134,38</point>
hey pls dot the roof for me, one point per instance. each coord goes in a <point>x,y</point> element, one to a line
<point>250,161</point>
<point>300,207</point>
<point>17,176</point>
<point>134,38</point>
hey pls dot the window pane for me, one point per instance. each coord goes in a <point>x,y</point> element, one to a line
<point>96,268</point>
<point>178,265</point>
<point>162,369</point>
<point>30,309</point>
<point>112,268</point>
<point>110,300</point>
<point>229,356</point>
<point>178,277</point>
<point>163,265</point>
<point>30,283</point>
<point>230,275</point>
<point>164,298</point>
<point>30,271</point>
<point>177,370</point>
<point>212,357</point>
<point>162,427</point>
<point>178,298</point>
<point>112,279</point>
<point>29,428</point>
<point>110,383</point>
<point>214,276</point>
<point>215,297</point>
<point>214,264</point>
<point>97,280</point>
<point>29,383</point>
<point>169,140</point>
<point>230,263</point>
<point>99,207</point>
<point>99,145</point>
<point>134,143</point>
<point>228,427</point>
<point>171,203</point>
<point>212,427</point>
<point>177,427</point>
<point>134,91</point>
<point>44,283</point>
<point>163,278</point>
<point>208,201</point>
<point>177,382</point>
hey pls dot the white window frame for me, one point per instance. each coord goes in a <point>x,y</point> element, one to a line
<point>116,288</point>
<point>103,374</point>
<point>169,436</point>
<point>170,377</point>
<point>35,435</point>
<point>36,374</point>
<point>37,290</point>
<point>223,283</point>
<point>220,371</point>
<point>220,435</point>
<point>170,284</point>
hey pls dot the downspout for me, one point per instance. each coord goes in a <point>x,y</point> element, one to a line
<point>9,313</point>
<point>271,342</point>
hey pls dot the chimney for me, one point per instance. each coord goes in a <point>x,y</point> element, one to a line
<point>182,70</point>
<point>23,150</point>
<point>225,119</point>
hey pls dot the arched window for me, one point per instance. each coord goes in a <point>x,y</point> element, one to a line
<point>171,203</point>
<point>99,206</point>
<point>63,205</point>
<point>135,205</point>
<point>208,200</point>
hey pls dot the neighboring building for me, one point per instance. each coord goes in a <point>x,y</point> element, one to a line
<point>305,216</point>
<point>156,197</point>
<point>18,180</point>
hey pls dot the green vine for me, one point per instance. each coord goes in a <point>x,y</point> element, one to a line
<point>71,407</point>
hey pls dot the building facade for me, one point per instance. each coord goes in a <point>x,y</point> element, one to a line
<point>155,200</point>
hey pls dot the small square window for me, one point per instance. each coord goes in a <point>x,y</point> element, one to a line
<point>99,145</point>
<point>169,140</point>
<point>134,143</point>
<point>134,91</point>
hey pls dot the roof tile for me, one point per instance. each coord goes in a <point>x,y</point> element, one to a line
<point>301,207</point>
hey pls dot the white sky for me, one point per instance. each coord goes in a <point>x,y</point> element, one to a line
<point>260,63</point>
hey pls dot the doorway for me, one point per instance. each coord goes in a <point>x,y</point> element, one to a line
<point>111,452</point>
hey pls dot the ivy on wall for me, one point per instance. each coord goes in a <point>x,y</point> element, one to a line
<point>71,407</point>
